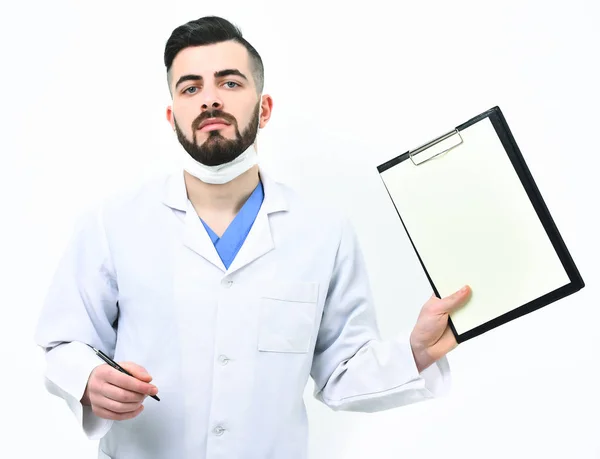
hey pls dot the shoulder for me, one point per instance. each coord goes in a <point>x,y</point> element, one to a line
<point>126,205</point>
<point>139,197</point>
<point>315,215</point>
<point>304,202</point>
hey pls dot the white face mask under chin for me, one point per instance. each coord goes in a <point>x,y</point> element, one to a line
<point>223,173</point>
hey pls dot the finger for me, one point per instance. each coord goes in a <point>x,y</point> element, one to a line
<point>130,383</point>
<point>113,405</point>
<point>108,414</point>
<point>448,341</point>
<point>445,344</point>
<point>119,394</point>
<point>137,371</point>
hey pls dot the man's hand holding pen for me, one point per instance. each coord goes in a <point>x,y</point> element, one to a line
<point>115,395</point>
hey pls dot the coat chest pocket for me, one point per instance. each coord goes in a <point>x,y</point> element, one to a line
<point>287,318</point>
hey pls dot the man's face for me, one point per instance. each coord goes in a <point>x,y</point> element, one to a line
<point>215,103</point>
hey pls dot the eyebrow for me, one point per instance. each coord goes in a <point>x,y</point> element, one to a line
<point>219,74</point>
<point>227,72</point>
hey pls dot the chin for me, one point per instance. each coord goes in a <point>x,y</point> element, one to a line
<point>216,136</point>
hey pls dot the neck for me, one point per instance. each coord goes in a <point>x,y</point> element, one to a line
<point>227,198</point>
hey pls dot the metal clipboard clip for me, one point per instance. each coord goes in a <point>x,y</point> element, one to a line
<point>435,142</point>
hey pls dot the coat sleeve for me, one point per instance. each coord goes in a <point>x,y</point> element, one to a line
<point>353,368</point>
<point>80,308</point>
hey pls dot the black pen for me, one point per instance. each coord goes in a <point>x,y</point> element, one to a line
<point>115,365</point>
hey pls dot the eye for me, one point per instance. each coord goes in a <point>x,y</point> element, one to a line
<point>187,90</point>
<point>231,84</point>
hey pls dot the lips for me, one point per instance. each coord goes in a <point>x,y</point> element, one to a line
<point>215,122</point>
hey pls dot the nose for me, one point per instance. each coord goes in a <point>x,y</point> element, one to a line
<point>211,102</point>
<point>213,105</point>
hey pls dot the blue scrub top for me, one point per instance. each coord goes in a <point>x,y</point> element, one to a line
<point>234,236</point>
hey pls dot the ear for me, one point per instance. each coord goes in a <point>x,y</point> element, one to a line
<point>266,109</point>
<point>170,117</point>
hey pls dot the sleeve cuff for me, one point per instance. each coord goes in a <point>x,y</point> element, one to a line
<point>68,369</point>
<point>437,378</point>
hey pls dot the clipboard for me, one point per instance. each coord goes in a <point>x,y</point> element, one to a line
<point>474,215</point>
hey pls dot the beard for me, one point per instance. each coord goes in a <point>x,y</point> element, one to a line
<point>216,149</point>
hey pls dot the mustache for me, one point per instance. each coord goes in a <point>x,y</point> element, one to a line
<point>213,114</point>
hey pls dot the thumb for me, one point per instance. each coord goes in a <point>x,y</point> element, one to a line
<point>137,371</point>
<point>456,300</point>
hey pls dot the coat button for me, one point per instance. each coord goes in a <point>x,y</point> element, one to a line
<point>224,359</point>
<point>227,283</point>
<point>218,430</point>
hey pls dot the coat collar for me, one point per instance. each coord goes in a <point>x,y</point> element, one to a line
<point>259,240</point>
<point>175,193</point>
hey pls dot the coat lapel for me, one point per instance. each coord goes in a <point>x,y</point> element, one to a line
<point>260,240</point>
<point>196,238</point>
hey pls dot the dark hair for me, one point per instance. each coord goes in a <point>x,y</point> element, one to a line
<point>208,31</point>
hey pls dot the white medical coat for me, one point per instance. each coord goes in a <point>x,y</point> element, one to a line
<point>231,350</point>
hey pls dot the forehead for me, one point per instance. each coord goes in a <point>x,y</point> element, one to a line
<point>207,59</point>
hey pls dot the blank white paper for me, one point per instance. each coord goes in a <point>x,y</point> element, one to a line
<point>472,222</point>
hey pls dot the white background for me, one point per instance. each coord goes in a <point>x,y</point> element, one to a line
<point>84,95</point>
